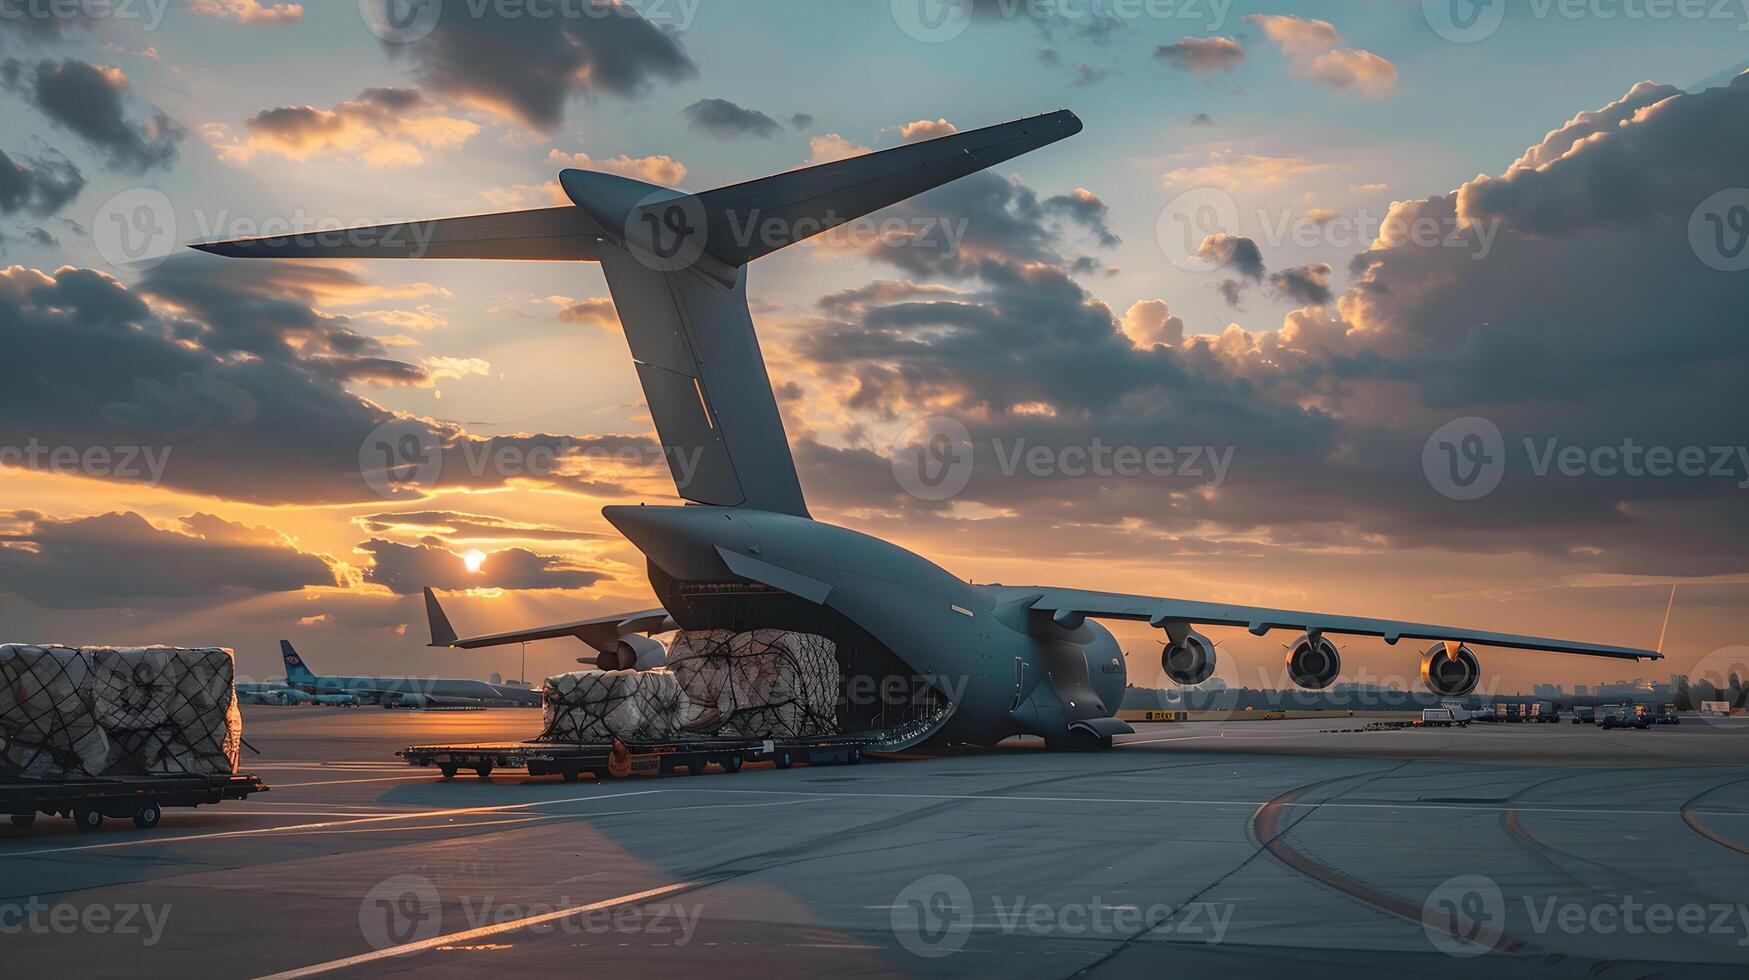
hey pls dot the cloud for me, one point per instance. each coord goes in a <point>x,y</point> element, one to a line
<point>405,569</point>
<point>1148,322</point>
<point>384,127</point>
<point>527,68</point>
<point>1316,53</point>
<point>1202,119</point>
<point>248,11</point>
<point>655,169</point>
<point>1308,284</point>
<point>1232,169</point>
<point>727,121</point>
<point>87,101</point>
<point>595,311</point>
<point>1298,35</point>
<point>1086,74</point>
<point>926,129</point>
<point>802,121</point>
<point>122,561</point>
<point>242,378</point>
<point>830,147</point>
<point>1235,253</point>
<point>1202,54</point>
<point>463,527</point>
<point>1361,72</point>
<point>1085,207</point>
<point>39,186</point>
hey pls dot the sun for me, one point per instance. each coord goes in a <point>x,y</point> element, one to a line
<point>474,560</point>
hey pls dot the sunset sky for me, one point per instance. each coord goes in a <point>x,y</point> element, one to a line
<point>1568,294</point>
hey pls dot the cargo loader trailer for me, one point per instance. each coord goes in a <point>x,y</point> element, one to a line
<point>619,759</point>
<point>139,798</point>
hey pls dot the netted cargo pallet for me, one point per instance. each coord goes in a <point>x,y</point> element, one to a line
<point>105,711</point>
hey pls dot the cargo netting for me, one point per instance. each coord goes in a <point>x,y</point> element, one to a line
<point>760,684</point>
<point>110,711</point>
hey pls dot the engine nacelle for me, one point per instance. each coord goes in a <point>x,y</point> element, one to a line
<point>1313,662</point>
<point>1190,661</point>
<point>1450,670</point>
<point>634,652</point>
<point>413,701</point>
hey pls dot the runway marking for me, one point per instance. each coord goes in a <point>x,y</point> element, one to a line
<point>344,782</point>
<point>484,932</point>
<point>1181,738</point>
<point>1694,823</point>
<point>300,828</point>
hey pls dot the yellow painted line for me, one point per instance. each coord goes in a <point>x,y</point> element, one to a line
<point>484,932</point>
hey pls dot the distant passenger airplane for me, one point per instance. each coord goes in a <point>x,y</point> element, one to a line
<point>402,692</point>
<point>986,661</point>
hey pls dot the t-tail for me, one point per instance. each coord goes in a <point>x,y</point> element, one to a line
<point>676,264</point>
<point>296,671</point>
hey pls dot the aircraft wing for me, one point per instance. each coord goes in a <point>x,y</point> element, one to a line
<point>559,234</point>
<point>601,633</point>
<point>1070,606</point>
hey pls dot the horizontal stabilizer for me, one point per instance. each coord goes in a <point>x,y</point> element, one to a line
<point>748,220</point>
<point>552,234</point>
<point>602,632</point>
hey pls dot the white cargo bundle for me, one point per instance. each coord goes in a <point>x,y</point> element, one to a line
<point>105,711</point>
<point>762,684</point>
<point>601,705</point>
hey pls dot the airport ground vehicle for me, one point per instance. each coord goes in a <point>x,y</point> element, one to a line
<point>1585,716</point>
<point>1624,716</point>
<point>1667,715</point>
<point>139,798</point>
<point>620,759</point>
<point>1545,712</point>
<point>1508,712</point>
<point>1443,718</point>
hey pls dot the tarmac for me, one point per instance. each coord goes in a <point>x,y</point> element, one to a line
<point>1245,848</point>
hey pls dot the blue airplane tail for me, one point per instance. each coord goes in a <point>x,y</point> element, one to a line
<point>295,669</point>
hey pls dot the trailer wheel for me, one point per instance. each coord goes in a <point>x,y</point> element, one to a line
<point>448,771</point>
<point>483,772</point>
<point>87,818</point>
<point>22,820</point>
<point>853,756</point>
<point>731,763</point>
<point>148,815</point>
<point>783,759</point>
<point>695,765</point>
<point>570,775</point>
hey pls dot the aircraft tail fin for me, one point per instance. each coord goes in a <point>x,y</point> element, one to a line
<point>295,668</point>
<point>442,634</point>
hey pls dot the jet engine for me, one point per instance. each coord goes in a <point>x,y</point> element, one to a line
<point>411,701</point>
<point>1450,669</point>
<point>634,652</point>
<point>1189,661</point>
<point>1313,662</point>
